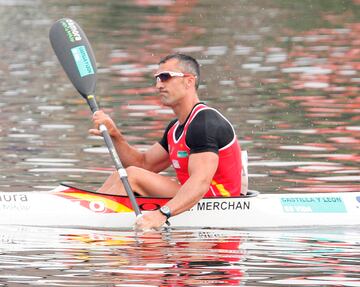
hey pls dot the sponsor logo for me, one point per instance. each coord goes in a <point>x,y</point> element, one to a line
<point>149,206</point>
<point>329,204</point>
<point>13,197</point>
<point>14,201</point>
<point>71,30</point>
<point>182,154</point>
<point>82,61</point>
<point>175,163</point>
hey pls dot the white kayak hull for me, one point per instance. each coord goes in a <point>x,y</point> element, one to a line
<point>72,207</point>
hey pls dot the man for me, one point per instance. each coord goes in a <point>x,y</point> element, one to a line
<point>200,144</point>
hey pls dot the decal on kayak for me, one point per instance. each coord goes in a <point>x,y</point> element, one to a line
<point>13,197</point>
<point>101,203</point>
<point>310,204</point>
<point>17,202</point>
<point>82,61</point>
<point>222,205</point>
<point>95,203</point>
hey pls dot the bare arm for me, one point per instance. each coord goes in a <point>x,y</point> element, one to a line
<point>154,159</point>
<point>202,167</point>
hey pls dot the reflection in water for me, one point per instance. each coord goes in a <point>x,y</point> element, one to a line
<point>73,257</point>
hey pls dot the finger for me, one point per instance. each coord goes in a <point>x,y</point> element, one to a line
<point>98,115</point>
<point>141,223</point>
<point>95,132</point>
<point>139,220</point>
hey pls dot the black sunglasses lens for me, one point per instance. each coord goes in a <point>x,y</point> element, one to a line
<point>164,77</point>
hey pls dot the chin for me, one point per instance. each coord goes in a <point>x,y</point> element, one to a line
<point>164,101</point>
<point>166,104</point>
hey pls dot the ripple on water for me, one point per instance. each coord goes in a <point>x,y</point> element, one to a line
<point>66,170</point>
<point>57,126</point>
<point>80,257</point>
<point>50,108</point>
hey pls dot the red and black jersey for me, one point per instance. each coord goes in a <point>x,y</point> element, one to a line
<point>206,129</point>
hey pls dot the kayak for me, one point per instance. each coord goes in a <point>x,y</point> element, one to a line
<point>67,206</point>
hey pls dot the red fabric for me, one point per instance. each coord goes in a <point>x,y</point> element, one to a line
<point>227,178</point>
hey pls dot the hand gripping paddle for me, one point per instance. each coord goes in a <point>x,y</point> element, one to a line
<point>74,52</point>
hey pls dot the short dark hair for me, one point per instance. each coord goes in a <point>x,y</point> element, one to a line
<point>188,63</point>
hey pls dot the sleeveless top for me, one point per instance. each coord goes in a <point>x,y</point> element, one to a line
<point>227,179</point>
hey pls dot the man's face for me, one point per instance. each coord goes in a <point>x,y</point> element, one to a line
<point>171,88</point>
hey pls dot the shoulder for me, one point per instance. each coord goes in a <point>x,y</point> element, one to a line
<point>210,117</point>
<point>209,130</point>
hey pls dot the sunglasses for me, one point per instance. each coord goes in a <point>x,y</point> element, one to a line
<point>167,75</point>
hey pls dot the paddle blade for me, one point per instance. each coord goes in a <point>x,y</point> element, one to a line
<point>74,52</point>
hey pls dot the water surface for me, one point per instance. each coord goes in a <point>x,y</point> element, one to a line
<point>73,257</point>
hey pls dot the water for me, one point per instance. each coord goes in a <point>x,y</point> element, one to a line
<point>72,257</point>
<point>286,73</point>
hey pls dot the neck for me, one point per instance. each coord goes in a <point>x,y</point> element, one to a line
<point>183,109</point>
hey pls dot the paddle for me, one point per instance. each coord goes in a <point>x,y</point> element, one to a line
<point>74,52</point>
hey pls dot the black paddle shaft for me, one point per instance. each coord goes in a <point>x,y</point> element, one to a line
<point>117,162</point>
<point>75,55</point>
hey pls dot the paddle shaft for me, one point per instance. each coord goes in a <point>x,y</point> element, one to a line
<point>118,165</point>
<point>76,56</point>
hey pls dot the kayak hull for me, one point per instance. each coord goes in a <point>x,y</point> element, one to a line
<point>72,207</point>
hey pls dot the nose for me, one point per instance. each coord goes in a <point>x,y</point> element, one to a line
<point>159,84</point>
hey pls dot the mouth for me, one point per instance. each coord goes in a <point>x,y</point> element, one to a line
<point>163,95</point>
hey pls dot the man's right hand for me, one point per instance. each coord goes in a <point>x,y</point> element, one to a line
<point>101,118</point>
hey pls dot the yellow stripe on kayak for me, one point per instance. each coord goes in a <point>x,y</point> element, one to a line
<point>110,204</point>
<point>221,189</point>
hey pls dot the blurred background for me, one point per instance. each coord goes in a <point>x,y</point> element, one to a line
<point>285,73</point>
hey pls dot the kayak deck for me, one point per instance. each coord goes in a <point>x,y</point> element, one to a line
<point>73,207</point>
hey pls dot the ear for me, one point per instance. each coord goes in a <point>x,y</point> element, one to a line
<point>190,82</point>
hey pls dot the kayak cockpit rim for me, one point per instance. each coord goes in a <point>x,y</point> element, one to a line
<point>250,193</point>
